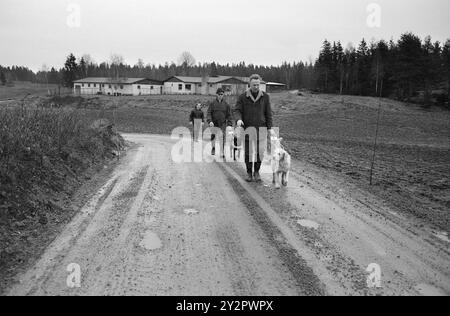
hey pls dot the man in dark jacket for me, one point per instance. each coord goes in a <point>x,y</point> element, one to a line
<point>253,109</point>
<point>219,115</point>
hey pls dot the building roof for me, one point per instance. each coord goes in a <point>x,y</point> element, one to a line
<point>117,80</point>
<point>277,84</point>
<point>210,80</point>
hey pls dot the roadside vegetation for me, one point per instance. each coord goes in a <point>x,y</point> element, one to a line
<point>46,154</point>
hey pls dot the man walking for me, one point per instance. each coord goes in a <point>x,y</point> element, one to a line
<point>253,109</point>
<point>219,115</point>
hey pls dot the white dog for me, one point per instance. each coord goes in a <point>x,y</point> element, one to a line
<point>281,163</point>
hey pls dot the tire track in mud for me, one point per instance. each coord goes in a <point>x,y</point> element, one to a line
<point>95,247</point>
<point>368,232</point>
<point>109,245</point>
<point>42,271</point>
<point>307,281</point>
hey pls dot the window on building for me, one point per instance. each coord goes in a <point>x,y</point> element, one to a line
<point>139,87</point>
<point>227,88</point>
<point>121,87</point>
<point>210,85</point>
<point>188,87</point>
<point>180,87</point>
<point>95,85</point>
<point>109,86</point>
<point>103,85</point>
<point>151,87</point>
<point>89,85</point>
<point>82,85</point>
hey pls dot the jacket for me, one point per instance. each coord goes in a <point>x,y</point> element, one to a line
<point>197,115</point>
<point>254,112</point>
<point>220,114</point>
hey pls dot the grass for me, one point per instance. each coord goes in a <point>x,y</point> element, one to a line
<point>20,89</point>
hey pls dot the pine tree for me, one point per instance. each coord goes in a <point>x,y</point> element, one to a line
<point>363,66</point>
<point>324,65</point>
<point>2,78</point>
<point>408,70</point>
<point>70,71</point>
<point>446,67</point>
<point>213,72</point>
<point>83,68</point>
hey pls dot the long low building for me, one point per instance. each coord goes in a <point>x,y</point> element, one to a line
<point>173,85</point>
<point>207,85</point>
<point>117,87</point>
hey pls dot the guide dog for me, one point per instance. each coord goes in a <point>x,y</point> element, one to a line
<point>281,163</point>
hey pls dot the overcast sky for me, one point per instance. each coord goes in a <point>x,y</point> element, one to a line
<point>34,32</point>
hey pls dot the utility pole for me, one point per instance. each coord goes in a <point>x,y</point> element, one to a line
<point>376,134</point>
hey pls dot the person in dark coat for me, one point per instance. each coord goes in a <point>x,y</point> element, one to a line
<point>197,119</point>
<point>253,109</point>
<point>219,115</point>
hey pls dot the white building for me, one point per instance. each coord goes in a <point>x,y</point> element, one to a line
<point>117,87</point>
<point>207,85</point>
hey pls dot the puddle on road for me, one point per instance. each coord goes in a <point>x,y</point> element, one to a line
<point>308,224</point>
<point>429,290</point>
<point>191,211</point>
<point>442,236</point>
<point>151,241</point>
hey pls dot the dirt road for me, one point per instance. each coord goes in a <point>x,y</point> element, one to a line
<point>162,228</point>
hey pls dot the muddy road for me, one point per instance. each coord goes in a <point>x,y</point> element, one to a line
<point>161,228</point>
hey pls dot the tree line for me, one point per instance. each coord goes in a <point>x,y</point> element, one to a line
<point>409,69</point>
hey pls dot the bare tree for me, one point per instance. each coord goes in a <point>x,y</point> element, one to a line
<point>116,62</point>
<point>88,59</point>
<point>89,62</point>
<point>140,64</point>
<point>44,70</point>
<point>186,60</point>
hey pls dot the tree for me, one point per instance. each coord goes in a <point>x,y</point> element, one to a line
<point>214,72</point>
<point>408,70</point>
<point>324,65</point>
<point>379,62</point>
<point>186,61</point>
<point>83,68</point>
<point>363,68</point>
<point>53,76</point>
<point>446,67</point>
<point>70,71</point>
<point>117,62</point>
<point>140,64</point>
<point>431,67</point>
<point>2,78</point>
